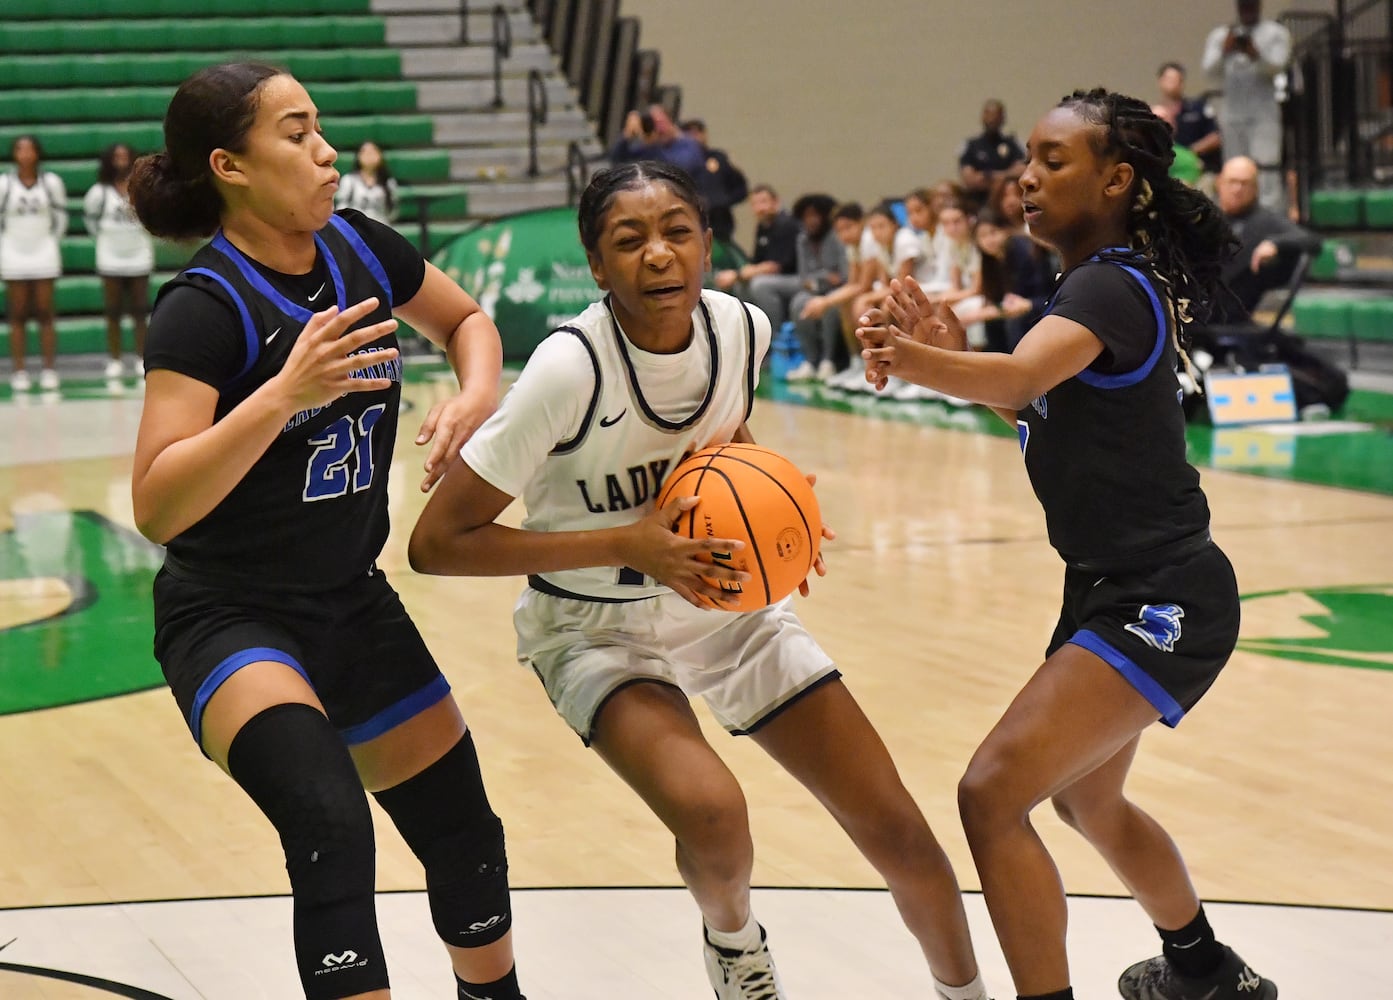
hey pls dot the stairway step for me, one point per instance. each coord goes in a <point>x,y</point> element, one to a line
<point>469,163</point>
<point>495,128</point>
<point>478,92</point>
<point>451,59</point>
<point>502,197</point>
<point>433,29</point>
<point>395,7</point>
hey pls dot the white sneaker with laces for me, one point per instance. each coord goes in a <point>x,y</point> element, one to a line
<point>49,380</point>
<point>803,372</point>
<point>742,975</point>
<point>112,369</point>
<point>20,381</point>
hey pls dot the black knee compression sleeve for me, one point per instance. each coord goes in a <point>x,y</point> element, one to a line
<point>297,770</point>
<point>444,817</point>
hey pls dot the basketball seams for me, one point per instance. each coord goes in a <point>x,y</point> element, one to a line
<point>721,451</point>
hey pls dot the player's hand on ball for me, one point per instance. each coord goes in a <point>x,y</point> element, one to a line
<point>654,549</point>
<point>819,567</point>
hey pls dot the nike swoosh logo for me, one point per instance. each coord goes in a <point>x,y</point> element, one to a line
<point>317,291</point>
<point>611,421</point>
<point>274,332</point>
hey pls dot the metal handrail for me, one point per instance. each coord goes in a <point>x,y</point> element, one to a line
<point>464,22</point>
<point>502,49</point>
<point>536,115</point>
<point>577,172</point>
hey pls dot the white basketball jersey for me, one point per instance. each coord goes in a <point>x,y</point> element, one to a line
<point>621,419</point>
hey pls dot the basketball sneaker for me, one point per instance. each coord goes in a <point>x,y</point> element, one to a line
<point>49,380</point>
<point>20,381</point>
<point>1157,979</point>
<point>742,975</point>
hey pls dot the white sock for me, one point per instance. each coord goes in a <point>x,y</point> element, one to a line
<point>972,991</point>
<point>745,939</point>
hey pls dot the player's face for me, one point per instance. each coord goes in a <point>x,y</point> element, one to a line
<point>1067,190</point>
<point>652,256</point>
<point>287,166</point>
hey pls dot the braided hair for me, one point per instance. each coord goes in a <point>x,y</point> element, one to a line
<point>1175,228</point>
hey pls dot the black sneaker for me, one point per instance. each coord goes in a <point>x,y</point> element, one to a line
<point>1157,979</point>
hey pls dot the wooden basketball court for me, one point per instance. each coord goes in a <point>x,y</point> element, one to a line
<point>940,596</point>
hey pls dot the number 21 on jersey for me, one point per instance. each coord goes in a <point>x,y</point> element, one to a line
<point>342,459</point>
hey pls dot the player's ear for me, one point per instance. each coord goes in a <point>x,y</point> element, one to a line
<point>1119,182</point>
<point>597,270</point>
<point>223,163</point>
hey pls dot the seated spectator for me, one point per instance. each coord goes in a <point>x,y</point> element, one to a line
<point>863,264</point>
<point>1269,244</point>
<point>889,250</point>
<point>957,263</point>
<point>775,247</point>
<point>720,182</point>
<point>1005,201</point>
<point>370,188</point>
<point>921,212</point>
<point>821,268</point>
<point>651,135</point>
<point>989,155</point>
<point>1017,276</point>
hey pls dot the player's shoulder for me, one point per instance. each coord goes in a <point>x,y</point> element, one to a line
<point>726,310</point>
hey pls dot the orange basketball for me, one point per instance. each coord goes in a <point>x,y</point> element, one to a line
<point>756,496</point>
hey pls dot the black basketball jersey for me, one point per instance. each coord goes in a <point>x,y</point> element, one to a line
<point>311,513</point>
<point>1105,450</point>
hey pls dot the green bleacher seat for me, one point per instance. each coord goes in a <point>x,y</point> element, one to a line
<point>40,107</point>
<point>81,294</point>
<point>1378,208</point>
<point>23,10</point>
<point>76,140</point>
<point>1321,317</point>
<point>1372,319</point>
<point>21,72</point>
<point>1334,257</point>
<point>418,166</point>
<point>1337,209</point>
<point>31,36</point>
<point>445,201</point>
<point>80,255</point>
<point>118,33</point>
<point>77,175</point>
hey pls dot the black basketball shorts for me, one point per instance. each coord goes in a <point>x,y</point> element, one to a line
<point>1169,630</point>
<point>355,645</point>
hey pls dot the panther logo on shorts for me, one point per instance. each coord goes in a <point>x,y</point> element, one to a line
<point>1158,626</point>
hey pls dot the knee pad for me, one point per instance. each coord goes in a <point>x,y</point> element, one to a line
<point>443,814</point>
<point>297,770</point>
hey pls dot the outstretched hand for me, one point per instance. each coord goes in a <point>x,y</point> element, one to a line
<point>323,364</point>
<point>685,565</point>
<point>448,425</point>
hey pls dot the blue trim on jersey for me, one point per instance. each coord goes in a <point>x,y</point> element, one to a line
<point>248,327</point>
<point>1147,686</point>
<point>258,281</point>
<point>365,254</point>
<point>394,715</point>
<point>1123,379</point>
<point>228,667</point>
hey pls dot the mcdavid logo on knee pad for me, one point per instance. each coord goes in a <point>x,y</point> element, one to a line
<point>337,963</point>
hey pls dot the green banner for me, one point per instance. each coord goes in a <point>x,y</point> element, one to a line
<point>528,271</point>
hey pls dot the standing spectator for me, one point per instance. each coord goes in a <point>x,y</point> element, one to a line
<point>370,188</point>
<point>992,154</point>
<point>1269,244</point>
<point>125,254</point>
<point>651,135</point>
<point>1247,58</point>
<point>720,182</point>
<point>1196,128</point>
<point>33,217</point>
<point>776,244</point>
<point>821,267</point>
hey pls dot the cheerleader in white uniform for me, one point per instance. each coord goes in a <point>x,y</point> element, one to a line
<point>370,188</point>
<point>125,254</point>
<point>33,216</point>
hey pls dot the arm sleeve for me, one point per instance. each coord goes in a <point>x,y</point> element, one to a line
<point>1274,49</point>
<point>92,208</point>
<point>1213,62</point>
<point>1112,304</point>
<point>58,196</point>
<point>545,407</point>
<point>196,331</point>
<point>405,266</point>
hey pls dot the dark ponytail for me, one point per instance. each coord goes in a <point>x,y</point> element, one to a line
<point>172,192</point>
<point>1176,228</point>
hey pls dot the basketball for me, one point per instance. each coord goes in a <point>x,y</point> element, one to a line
<point>754,495</point>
